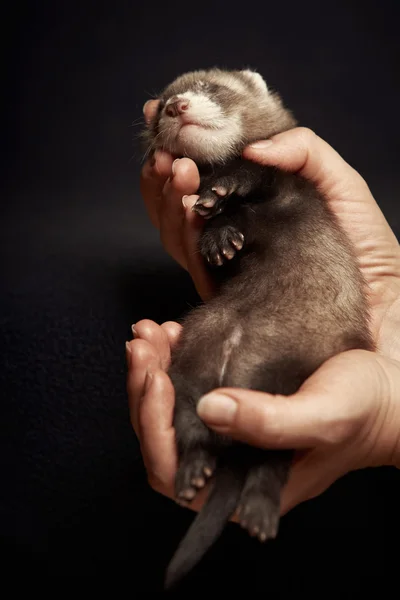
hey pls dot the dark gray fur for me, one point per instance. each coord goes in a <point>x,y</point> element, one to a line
<point>291,298</point>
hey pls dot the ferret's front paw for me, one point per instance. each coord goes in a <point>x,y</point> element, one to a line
<point>195,468</point>
<point>211,201</point>
<point>220,244</point>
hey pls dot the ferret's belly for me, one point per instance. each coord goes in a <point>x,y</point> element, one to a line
<point>221,348</point>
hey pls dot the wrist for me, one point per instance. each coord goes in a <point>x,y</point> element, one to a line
<point>385,430</point>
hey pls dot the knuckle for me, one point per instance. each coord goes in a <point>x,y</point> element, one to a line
<point>142,352</point>
<point>146,322</point>
<point>360,182</point>
<point>172,331</point>
<point>307,135</point>
<point>172,326</point>
<point>269,426</point>
<point>147,328</point>
<point>337,432</point>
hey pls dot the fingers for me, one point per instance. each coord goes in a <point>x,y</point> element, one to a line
<point>157,439</point>
<point>152,180</point>
<point>260,419</point>
<point>151,403</point>
<point>157,337</point>
<point>192,228</point>
<point>141,356</point>
<point>172,331</point>
<point>148,351</point>
<point>334,404</point>
<point>301,151</point>
<point>185,181</point>
<point>163,186</point>
<point>151,399</point>
<point>155,172</point>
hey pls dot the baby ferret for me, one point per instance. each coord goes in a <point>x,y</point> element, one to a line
<point>289,295</point>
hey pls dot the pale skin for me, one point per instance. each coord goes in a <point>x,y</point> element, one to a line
<point>347,415</point>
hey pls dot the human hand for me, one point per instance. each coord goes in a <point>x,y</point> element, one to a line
<point>151,402</point>
<point>377,250</point>
<point>299,151</point>
<point>345,417</point>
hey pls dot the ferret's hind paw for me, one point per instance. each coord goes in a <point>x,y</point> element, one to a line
<point>259,515</point>
<point>222,244</point>
<point>195,469</point>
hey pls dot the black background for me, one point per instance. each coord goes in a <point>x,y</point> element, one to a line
<point>80,262</point>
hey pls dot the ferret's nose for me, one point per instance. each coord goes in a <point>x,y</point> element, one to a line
<point>176,106</point>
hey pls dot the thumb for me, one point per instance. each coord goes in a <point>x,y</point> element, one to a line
<point>261,419</point>
<point>301,151</point>
<point>333,404</point>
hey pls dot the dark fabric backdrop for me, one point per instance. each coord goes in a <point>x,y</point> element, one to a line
<point>80,262</point>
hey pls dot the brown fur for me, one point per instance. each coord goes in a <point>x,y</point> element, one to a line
<point>262,114</point>
<point>289,299</point>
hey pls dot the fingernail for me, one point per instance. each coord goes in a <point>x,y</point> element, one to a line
<point>174,167</point>
<point>217,409</point>
<point>261,144</point>
<point>189,201</point>
<point>134,332</point>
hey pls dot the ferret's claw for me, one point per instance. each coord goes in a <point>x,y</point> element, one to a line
<point>211,202</point>
<point>205,206</point>
<point>229,253</point>
<point>187,494</point>
<point>215,259</point>
<point>206,202</point>
<point>222,246</point>
<point>220,190</point>
<point>198,482</point>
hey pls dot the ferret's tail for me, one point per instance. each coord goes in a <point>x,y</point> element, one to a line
<point>208,524</point>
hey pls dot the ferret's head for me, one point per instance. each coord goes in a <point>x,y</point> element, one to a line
<point>210,116</point>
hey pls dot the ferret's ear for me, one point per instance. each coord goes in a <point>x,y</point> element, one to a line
<point>256,79</point>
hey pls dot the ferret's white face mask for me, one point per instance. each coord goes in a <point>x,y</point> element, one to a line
<point>192,124</point>
<point>195,123</point>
